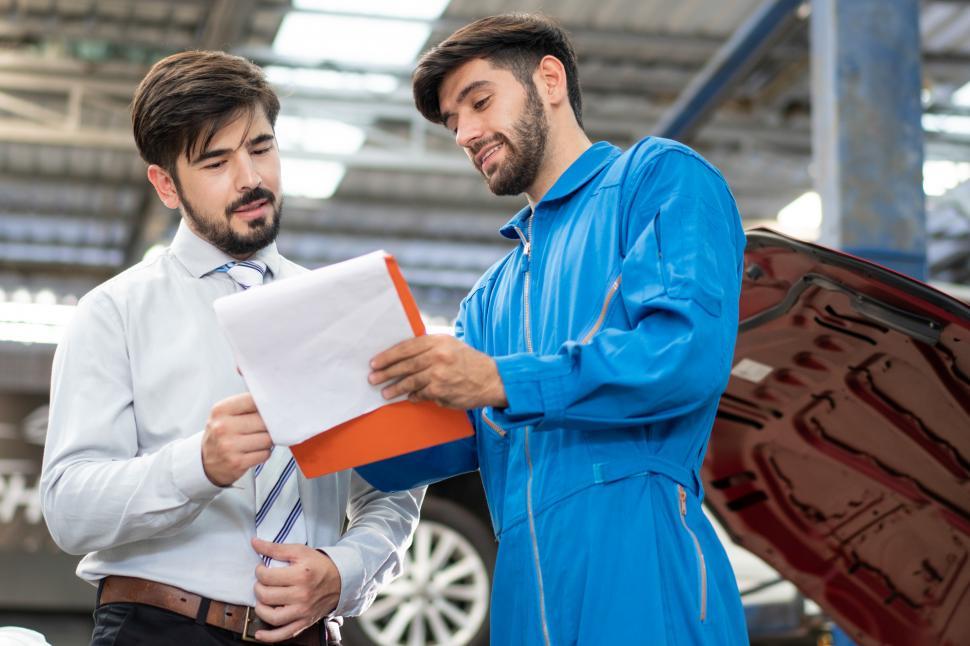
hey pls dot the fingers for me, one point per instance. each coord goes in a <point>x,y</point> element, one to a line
<point>280,551</point>
<point>277,577</point>
<point>400,369</point>
<point>224,440</point>
<point>248,423</point>
<point>408,385</point>
<point>231,445</point>
<point>289,629</point>
<point>293,597</point>
<point>237,424</point>
<point>224,432</point>
<point>403,350</point>
<point>235,405</point>
<point>283,552</point>
<point>424,395</point>
<point>272,595</point>
<point>254,442</point>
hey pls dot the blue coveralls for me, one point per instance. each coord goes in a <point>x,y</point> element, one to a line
<point>613,326</point>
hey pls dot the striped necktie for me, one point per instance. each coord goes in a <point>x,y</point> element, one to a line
<point>279,512</point>
<point>245,273</point>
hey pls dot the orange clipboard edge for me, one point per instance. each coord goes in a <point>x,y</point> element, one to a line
<point>404,294</point>
<point>389,431</point>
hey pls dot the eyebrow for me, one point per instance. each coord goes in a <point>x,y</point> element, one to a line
<point>465,91</point>
<point>219,152</point>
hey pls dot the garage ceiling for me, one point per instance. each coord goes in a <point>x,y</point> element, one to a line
<point>75,207</point>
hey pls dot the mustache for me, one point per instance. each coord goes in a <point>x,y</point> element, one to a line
<point>253,195</point>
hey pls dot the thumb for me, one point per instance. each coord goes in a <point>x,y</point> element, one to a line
<point>276,551</point>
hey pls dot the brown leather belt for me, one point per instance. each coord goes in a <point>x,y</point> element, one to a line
<point>228,616</point>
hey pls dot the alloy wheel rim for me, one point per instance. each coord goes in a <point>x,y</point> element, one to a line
<point>440,598</point>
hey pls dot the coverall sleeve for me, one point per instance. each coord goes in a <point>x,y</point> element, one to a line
<point>436,463</point>
<point>97,492</point>
<point>680,284</point>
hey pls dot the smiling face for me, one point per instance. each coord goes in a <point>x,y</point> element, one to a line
<point>501,125</point>
<point>229,193</point>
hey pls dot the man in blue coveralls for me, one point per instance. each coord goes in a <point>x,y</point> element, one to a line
<point>590,358</point>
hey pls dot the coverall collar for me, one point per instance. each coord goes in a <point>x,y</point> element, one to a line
<point>586,166</point>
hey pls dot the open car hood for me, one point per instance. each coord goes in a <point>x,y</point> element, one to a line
<point>841,450</point>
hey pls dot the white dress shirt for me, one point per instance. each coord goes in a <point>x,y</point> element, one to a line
<point>134,380</point>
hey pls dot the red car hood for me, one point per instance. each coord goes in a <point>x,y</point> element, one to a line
<point>841,450</point>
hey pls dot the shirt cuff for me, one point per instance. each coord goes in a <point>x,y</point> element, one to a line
<point>188,474</point>
<point>351,570</point>
<point>534,387</point>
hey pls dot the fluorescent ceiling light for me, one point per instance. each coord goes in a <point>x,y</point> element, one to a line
<point>950,123</point>
<point>803,217</point>
<point>301,77</point>
<point>317,135</point>
<point>311,178</point>
<point>308,177</point>
<point>350,39</point>
<point>426,9</point>
<point>940,175</point>
<point>33,322</point>
<point>372,32</point>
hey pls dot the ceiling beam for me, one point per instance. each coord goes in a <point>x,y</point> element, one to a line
<point>25,132</point>
<point>714,83</point>
<point>226,23</point>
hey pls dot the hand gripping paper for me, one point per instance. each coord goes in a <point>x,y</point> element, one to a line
<point>303,346</point>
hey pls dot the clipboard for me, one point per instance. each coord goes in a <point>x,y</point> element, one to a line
<point>389,431</point>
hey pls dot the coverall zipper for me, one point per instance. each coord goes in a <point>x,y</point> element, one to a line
<point>492,425</point>
<point>527,247</point>
<point>606,304</point>
<point>701,566</point>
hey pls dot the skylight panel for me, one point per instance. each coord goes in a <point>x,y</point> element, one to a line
<point>349,39</point>
<point>317,135</point>
<point>426,9</point>
<point>941,175</point>
<point>363,33</point>
<point>311,178</point>
<point>302,77</point>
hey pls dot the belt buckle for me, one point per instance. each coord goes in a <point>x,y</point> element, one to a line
<point>255,621</point>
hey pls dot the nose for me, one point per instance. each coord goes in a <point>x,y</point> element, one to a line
<point>468,131</point>
<point>247,177</point>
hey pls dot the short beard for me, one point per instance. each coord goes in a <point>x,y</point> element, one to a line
<point>523,159</point>
<point>262,233</point>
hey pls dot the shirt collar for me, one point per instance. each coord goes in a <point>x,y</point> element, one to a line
<point>200,257</point>
<point>579,173</point>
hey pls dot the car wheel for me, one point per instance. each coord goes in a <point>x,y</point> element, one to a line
<point>443,594</point>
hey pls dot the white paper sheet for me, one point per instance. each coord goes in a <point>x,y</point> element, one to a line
<point>303,344</point>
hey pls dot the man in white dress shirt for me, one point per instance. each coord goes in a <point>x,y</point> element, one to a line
<point>154,445</point>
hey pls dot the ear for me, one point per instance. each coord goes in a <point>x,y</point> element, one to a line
<point>551,80</point>
<point>164,185</point>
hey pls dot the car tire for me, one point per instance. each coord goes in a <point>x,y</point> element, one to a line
<point>466,548</point>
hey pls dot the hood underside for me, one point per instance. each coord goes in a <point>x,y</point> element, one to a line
<point>841,450</point>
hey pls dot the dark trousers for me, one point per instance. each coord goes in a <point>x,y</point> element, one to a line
<point>134,624</point>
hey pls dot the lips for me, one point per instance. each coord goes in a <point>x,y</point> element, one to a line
<point>251,210</point>
<point>486,153</point>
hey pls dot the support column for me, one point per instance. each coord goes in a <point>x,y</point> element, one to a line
<point>867,133</point>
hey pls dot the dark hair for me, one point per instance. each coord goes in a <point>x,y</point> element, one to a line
<point>186,98</point>
<point>514,41</point>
